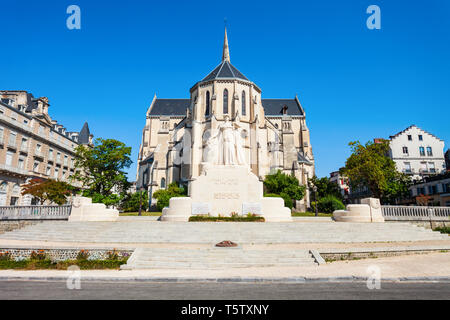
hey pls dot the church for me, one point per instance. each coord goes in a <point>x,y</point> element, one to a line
<point>178,133</point>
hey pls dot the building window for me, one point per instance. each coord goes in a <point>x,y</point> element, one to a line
<point>12,139</point>
<point>244,111</point>
<point>431,167</point>
<point>36,166</point>
<point>225,101</point>
<point>429,151</point>
<point>420,137</point>
<point>56,173</point>
<point>409,137</point>
<point>21,163</point>
<point>13,201</point>
<point>66,160</point>
<point>207,104</point>
<point>407,167</point>
<point>163,183</point>
<point>24,145</point>
<point>48,171</point>
<point>405,150</point>
<point>422,151</point>
<point>9,157</point>
<point>50,155</point>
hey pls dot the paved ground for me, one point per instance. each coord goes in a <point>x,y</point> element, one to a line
<point>433,266</point>
<point>136,231</point>
<point>222,291</point>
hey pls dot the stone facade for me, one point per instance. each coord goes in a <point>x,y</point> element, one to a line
<point>32,145</point>
<point>274,131</point>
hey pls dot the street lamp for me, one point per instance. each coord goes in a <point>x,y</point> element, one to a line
<point>315,199</point>
<point>140,202</point>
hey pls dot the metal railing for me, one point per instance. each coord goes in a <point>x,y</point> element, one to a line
<point>415,213</point>
<point>35,212</point>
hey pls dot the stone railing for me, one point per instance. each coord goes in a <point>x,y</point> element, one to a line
<point>409,213</point>
<point>35,212</point>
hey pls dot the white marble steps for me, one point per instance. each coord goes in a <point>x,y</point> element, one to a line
<point>216,258</point>
<point>211,233</point>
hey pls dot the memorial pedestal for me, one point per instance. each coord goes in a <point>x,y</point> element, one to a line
<point>224,190</point>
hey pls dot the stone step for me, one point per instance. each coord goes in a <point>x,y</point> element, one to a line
<point>224,258</point>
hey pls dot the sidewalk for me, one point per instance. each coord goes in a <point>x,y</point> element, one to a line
<point>417,268</point>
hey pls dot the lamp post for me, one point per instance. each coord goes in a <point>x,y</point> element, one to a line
<point>140,202</point>
<point>315,199</point>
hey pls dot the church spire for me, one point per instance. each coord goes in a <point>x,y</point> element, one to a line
<point>226,51</point>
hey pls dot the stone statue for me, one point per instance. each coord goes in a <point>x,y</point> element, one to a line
<point>225,147</point>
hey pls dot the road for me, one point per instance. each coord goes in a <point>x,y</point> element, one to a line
<point>221,291</point>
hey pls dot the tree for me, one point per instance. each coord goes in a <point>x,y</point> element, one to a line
<point>130,202</point>
<point>163,195</point>
<point>369,165</point>
<point>51,190</point>
<point>325,187</point>
<point>100,169</point>
<point>285,186</point>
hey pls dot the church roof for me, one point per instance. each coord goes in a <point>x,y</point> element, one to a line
<point>177,107</point>
<point>225,70</point>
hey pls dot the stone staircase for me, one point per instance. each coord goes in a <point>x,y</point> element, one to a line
<point>216,258</point>
<point>211,233</point>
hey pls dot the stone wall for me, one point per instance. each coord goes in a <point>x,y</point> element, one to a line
<point>63,254</point>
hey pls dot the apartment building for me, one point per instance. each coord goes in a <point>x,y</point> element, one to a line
<point>417,152</point>
<point>33,145</point>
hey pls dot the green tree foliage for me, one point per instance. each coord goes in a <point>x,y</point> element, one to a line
<point>369,165</point>
<point>163,195</point>
<point>130,202</point>
<point>100,169</point>
<point>51,190</point>
<point>284,186</point>
<point>325,187</point>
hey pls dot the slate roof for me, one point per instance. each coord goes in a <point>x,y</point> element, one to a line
<point>177,107</point>
<point>83,138</point>
<point>225,70</point>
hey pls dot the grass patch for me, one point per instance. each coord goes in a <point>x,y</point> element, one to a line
<point>310,214</point>
<point>30,264</point>
<point>144,214</point>
<point>443,230</point>
<point>233,218</point>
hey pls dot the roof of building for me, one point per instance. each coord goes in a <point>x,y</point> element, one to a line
<point>225,70</point>
<point>83,138</point>
<point>413,126</point>
<point>272,107</point>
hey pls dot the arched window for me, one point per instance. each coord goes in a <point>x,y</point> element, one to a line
<point>163,183</point>
<point>225,101</point>
<point>3,187</point>
<point>207,104</point>
<point>243,104</point>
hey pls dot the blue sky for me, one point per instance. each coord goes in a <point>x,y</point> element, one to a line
<point>354,83</point>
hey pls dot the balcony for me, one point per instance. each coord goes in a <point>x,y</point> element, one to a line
<point>12,169</point>
<point>38,154</point>
<point>12,144</point>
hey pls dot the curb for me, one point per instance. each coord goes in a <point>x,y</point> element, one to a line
<point>229,280</point>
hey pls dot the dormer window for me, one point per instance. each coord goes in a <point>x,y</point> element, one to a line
<point>284,110</point>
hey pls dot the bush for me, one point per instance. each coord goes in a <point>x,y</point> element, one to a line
<point>329,204</point>
<point>163,196</point>
<point>279,183</point>
<point>83,255</point>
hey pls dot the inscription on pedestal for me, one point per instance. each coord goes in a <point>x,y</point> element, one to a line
<point>251,207</point>
<point>200,208</point>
